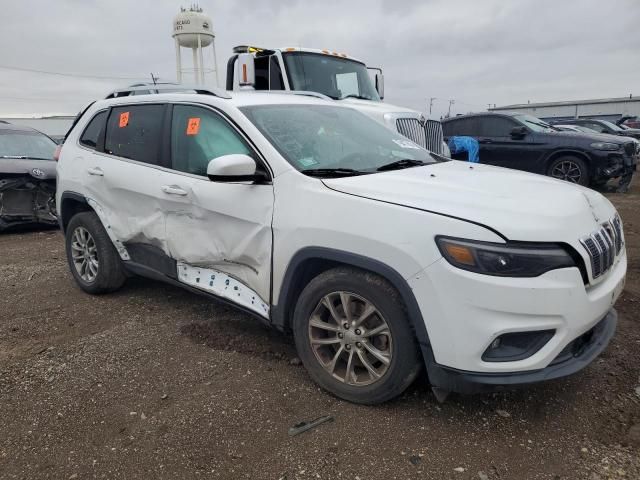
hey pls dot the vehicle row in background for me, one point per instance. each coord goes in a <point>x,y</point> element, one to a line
<point>524,142</point>
<point>601,126</point>
<point>27,177</point>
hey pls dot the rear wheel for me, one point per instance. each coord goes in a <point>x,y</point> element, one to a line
<point>92,258</point>
<point>570,169</point>
<point>353,336</point>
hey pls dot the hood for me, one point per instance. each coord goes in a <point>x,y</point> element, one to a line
<point>40,169</point>
<point>378,108</point>
<point>520,206</point>
<point>593,137</point>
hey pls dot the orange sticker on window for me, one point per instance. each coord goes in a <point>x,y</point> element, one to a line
<point>193,126</point>
<point>124,119</point>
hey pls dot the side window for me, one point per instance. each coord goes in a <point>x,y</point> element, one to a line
<point>275,74</point>
<point>261,65</point>
<point>463,127</point>
<point>134,131</point>
<point>495,127</point>
<point>91,133</point>
<point>199,136</point>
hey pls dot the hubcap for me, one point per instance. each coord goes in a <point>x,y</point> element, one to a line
<point>350,338</point>
<point>567,170</point>
<point>84,254</point>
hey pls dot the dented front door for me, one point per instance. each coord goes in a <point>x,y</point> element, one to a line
<point>219,233</point>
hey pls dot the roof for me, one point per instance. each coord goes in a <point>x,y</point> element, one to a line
<point>478,114</point>
<point>568,103</point>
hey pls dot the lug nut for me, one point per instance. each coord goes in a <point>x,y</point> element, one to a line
<point>345,325</point>
<point>340,335</point>
<point>358,331</point>
<point>347,346</point>
<point>359,345</point>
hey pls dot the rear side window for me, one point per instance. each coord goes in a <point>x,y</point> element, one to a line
<point>134,132</point>
<point>198,136</point>
<point>462,126</point>
<point>90,135</point>
<point>495,127</point>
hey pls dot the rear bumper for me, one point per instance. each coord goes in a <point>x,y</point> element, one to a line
<point>574,357</point>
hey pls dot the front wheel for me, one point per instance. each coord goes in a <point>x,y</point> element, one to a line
<point>570,169</point>
<point>353,336</point>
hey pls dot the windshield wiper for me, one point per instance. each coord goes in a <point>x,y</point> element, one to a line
<point>23,157</point>
<point>400,164</point>
<point>354,95</point>
<point>332,172</point>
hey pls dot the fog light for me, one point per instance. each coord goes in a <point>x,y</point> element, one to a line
<point>510,347</point>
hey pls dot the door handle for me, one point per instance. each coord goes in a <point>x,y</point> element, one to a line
<point>173,190</point>
<point>484,141</point>
<point>97,171</point>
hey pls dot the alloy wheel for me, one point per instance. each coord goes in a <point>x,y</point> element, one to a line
<point>84,254</point>
<point>350,338</point>
<point>567,170</point>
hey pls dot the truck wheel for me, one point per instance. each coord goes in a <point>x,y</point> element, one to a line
<point>570,169</point>
<point>354,338</point>
<point>92,258</point>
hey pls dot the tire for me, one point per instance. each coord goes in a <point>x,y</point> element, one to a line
<point>570,169</point>
<point>103,270</point>
<point>370,380</point>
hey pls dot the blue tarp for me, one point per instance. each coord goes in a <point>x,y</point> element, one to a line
<point>465,144</point>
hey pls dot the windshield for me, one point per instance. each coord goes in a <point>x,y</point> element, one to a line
<point>612,126</point>
<point>332,76</point>
<point>17,143</point>
<point>312,137</point>
<point>535,124</point>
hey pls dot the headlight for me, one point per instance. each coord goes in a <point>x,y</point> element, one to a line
<point>504,259</point>
<point>610,147</point>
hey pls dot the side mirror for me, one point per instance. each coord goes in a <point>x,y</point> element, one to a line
<point>518,132</point>
<point>234,168</point>
<point>246,70</point>
<point>380,84</point>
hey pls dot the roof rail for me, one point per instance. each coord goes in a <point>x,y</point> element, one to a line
<point>168,88</point>
<point>304,93</point>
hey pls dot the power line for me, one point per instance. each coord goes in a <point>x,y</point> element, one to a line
<point>77,75</point>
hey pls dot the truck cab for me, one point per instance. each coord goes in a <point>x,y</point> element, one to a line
<point>335,75</point>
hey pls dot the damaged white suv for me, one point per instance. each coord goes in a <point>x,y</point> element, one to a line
<point>380,256</point>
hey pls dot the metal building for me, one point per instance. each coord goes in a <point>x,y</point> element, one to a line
<point>604,108</point>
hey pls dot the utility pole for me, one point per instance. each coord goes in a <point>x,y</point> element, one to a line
<point>154,78</point>
<point>451,102</point>
<point>431,104</point>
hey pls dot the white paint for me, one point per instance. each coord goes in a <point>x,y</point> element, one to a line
<point>222,285</point>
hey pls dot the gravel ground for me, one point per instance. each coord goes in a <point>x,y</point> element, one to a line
<point>156,382</point>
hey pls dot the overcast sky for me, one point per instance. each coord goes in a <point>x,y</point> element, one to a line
<point>473,51</point>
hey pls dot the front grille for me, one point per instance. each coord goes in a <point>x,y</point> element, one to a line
<point>603,246</point>
<point>427,134</point>
<point>434,136</point>
<point>413,130</point>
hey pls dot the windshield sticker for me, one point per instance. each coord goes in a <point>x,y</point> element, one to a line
<point>124,119</point>
<point>307,161</point>
<point>193,126</point>
<point>406,144</point>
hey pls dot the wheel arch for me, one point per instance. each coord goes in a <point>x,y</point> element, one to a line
<point>568,153</point>
<point>311,261</point>
<point>71,203</point>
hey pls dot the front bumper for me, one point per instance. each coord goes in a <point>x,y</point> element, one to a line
<point>578,354</point>
<point>465,312</point>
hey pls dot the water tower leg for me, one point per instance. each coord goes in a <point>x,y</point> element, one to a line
<point>215,62</point>
<point>196,69</point>
<point>201,60</point>
<point>178,63</point>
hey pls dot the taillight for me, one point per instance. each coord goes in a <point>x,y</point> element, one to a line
<point>56,154</point>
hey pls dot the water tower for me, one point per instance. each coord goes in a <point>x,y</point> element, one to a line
<point>192,29</point>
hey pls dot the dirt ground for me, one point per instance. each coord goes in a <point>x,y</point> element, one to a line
<point>155,382</point>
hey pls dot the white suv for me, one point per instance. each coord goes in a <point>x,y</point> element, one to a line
<point>379,256</point>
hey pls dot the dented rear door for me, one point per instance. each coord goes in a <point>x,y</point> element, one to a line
<point>219,233</point>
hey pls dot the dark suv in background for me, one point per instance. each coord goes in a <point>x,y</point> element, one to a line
<point>527,143</point>
<point>603,126</point>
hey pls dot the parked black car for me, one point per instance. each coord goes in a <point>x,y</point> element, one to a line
<point>603,126</point>
<point>27,177</point>
<point>524,142</point>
